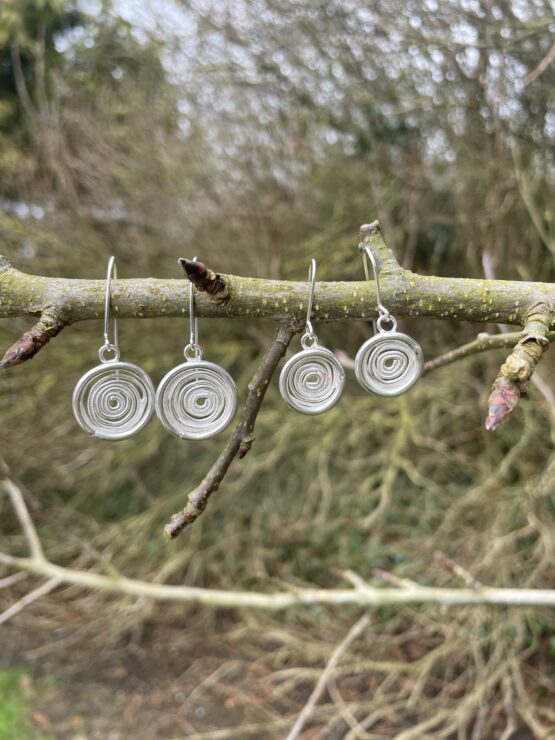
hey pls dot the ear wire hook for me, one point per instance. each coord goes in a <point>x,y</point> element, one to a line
<point>384,315</point>
<point>309,338</point>
<point>193,350</point>
<point>109,346</point>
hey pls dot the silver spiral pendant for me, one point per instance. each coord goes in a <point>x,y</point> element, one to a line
<point>113,400</point>
<point>312,381</point>
<point>389,363</point>
<point>196,400</point>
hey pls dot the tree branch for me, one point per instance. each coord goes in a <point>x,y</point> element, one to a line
<point>241,439</point>
<point>356,630</point>
<point>368,596</point>
<point>33,341</point>
<point>512,382</point>
<point>18,503</point>
<point>548,59</point>
<point>363,594</point>
<point>404,293</point>
<point>482,343</point>
<point>28,599</point>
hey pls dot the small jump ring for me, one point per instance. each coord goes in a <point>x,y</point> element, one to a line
<point>193,352</point>
<point>386,319</point>
<point>106,348</point>
<point>309,340</point>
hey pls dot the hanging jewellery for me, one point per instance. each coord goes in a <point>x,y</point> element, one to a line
<point>390,362</point>
<point>312,380</point>
<point>114,399</point>
<point>197,399</point>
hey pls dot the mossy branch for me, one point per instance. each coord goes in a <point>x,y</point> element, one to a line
<point>230,296</point>
<point>60,302</point>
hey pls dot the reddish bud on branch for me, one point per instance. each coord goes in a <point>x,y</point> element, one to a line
<point>32,341</point>
<point>205,280</point>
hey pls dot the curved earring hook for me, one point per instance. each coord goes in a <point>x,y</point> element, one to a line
<point>109,346</point>
<point>193,350</point>
<point>309,338</point>
<point>382,310</point>
<point>312,281</point>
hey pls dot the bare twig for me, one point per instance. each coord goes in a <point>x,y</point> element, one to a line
<point>457,570</point>
<point>33,341</point>
<point>392,579</point>
<point>512,381</point>
<point>536,379</point>
<point>548,59</point>
<point>356,630</point>
<point>241,438</point>
<point>482,343</point>
<point>28,599</point>
<point>21,85</point>
<point>18,503</point>
<point>368,596</point>
<point>14,578</point>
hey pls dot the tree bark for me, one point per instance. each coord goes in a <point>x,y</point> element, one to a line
<point>404,293</point>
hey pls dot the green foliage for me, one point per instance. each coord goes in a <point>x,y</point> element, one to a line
<point>15,707</point>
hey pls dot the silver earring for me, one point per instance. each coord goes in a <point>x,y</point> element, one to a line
<point>312,380</point>
<point>115,399</point>
<point>197,399</point>
<point>390,362</point>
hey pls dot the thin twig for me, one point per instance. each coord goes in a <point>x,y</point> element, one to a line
<point>457,570</point>
<point>517,370</point>
<point>548,59</point>
<point>28,599</point>
<point>482,343</point>
<point>11,580</point>
<point>33,341</point>
<point>18,502</point>
<point>241,438</point>
<point>368,596</point>
<point>356,630</point>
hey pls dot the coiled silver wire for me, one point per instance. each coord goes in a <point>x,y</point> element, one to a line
<point>196,400</point>
<point>113,400</point>
<point>312,380</point>
<point>389,363</point>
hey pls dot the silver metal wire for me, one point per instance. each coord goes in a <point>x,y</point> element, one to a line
<point>109,346</point>
<point>390,362</point>
<point>367,254</point>
<point>311,381</point>
<point>196,400</point>
<point>114,399</point>
<point>309,337</point>
<point>193,351</point>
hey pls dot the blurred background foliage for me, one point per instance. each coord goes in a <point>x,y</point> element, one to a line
<point>257,135</point>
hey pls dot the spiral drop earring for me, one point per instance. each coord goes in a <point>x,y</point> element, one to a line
<point>197,399</point>
<point>312,380</point>
<point>114,399</point>
<point>390,362</point>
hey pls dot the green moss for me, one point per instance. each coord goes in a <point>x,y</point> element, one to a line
<point>15,707</point>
